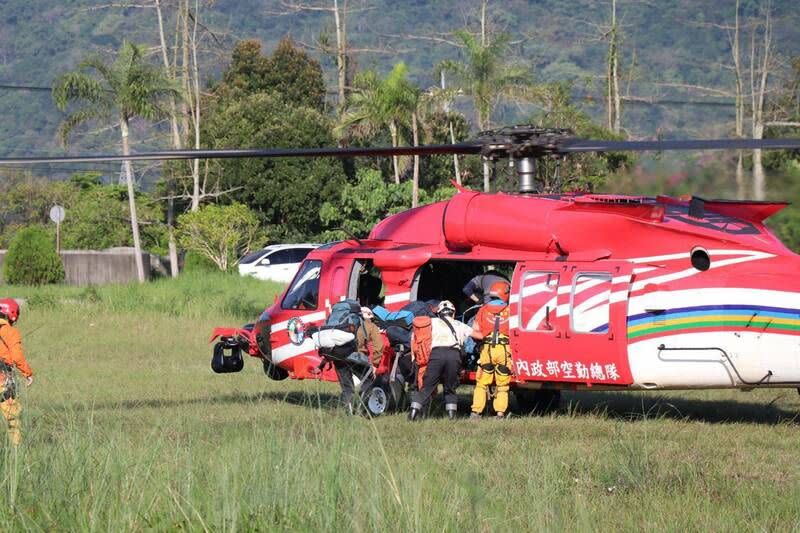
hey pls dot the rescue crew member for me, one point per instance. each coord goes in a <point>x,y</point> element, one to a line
<point>477,289</point>
<point>495,363</point>
<point>369,344</point>
<point>11,356</point>
<point>447,339</point>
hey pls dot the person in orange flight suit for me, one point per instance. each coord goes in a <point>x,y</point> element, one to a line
<point>11,357</point>
<point>495,363</point>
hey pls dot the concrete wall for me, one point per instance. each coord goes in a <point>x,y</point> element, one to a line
<point>89,267</point>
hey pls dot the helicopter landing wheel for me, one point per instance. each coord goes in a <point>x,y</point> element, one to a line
<point>376,400</point>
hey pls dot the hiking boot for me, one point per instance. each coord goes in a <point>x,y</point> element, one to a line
<point>475,416</point>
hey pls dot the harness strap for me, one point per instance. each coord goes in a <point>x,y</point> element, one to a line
<point>496,332</point>
<point>453,331</point>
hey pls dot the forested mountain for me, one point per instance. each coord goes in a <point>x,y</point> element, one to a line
<point>162,74</point>
<point>666,42</point>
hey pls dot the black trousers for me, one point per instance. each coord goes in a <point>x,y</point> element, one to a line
<point>444,365</point>
<point>345,372</point>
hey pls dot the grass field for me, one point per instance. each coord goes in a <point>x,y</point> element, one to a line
<point>127,429</point>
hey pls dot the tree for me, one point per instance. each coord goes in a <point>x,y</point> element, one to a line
<point>289,73</point>
<point>577,171</point>
<point>443,127</point>
<point>614,101</point>
<point>286,193</point>
<point>761,63</point>
<point>295,76</point>
<point>361,205</point>
<point>26,201</point>
<point>222,234</point>
<point>339,51</point>
<point>32,259</point>
<point>485,75</point>
<point>97,215</point>
<point>119,92</point>
<point>97,218</point>
<point>377,103</point>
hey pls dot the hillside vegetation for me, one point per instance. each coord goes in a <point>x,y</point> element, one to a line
<point>559,41</point>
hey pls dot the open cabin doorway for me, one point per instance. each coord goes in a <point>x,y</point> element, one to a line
<point>366,284</point>
<point>445,280</point>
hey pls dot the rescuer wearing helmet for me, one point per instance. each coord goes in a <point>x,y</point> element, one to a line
<point>495,364</point>
<point>11,356</point>
<point>477,289</point>
<point>447,338</point>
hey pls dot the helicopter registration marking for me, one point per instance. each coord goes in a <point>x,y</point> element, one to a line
<point>560,369</point>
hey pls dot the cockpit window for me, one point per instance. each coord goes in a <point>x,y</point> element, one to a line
<point>303,294</point>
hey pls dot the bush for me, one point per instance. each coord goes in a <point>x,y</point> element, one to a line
<point>32,259</point>
<point>196,262</point>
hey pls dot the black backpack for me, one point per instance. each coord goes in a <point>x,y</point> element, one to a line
<point>422,308</point>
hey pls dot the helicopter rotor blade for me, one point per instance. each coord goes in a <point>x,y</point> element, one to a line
<point>168,155</point>
<point>583,145</point>
<point>493,147</point>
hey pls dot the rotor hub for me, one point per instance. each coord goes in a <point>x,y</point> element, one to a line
<point>523,145</point>
<point>525,141</point>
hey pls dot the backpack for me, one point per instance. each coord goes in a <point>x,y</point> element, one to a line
<point>345,317</point>
<point>420,308</point>
<point>398,335</point>
<point>385,318</point>
<point>422,339</point>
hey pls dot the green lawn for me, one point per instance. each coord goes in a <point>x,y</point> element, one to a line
<point>127,429</point>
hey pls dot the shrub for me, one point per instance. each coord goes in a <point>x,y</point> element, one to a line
<point>196,262</point>
<point>32,259</point>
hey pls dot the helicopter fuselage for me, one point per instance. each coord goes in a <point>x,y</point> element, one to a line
<point>607,292</point>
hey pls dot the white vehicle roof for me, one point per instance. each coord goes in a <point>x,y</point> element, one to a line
<point>273,247</point>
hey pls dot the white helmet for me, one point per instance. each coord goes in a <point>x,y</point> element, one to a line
<point>446,307</point>
<point>367,313</point>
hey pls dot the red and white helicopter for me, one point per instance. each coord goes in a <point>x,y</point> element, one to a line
<point>608,292</point>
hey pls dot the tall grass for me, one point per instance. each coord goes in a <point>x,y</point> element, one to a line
<point>127,429</point>
<point>192,295</point>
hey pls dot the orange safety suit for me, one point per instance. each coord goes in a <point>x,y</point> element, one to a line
<point>11,357</point>
<point>495,363</point>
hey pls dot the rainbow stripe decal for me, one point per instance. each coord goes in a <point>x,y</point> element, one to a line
<point>754,318</point>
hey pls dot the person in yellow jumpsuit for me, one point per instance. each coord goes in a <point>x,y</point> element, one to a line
<point>11,357</point>
<point>495,363</point>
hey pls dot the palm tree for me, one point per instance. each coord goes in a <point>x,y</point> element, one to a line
<point>377,103</point>
<point>119,92</point>
<point>484,75</point>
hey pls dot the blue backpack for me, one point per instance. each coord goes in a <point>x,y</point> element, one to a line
<point>345,315</point>
<point>387,318</point>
